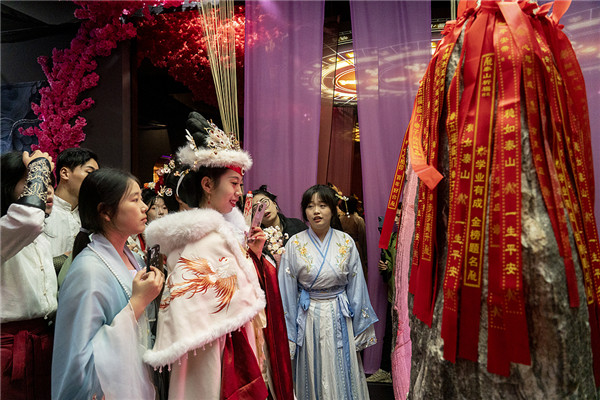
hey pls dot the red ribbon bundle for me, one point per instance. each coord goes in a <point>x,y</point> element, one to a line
<point>510,55</point>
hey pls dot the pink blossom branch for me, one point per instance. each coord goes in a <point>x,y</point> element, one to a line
<point>71,71</point>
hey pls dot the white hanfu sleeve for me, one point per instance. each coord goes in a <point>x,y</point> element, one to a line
<point>123,338</point>
<point>18,228</point>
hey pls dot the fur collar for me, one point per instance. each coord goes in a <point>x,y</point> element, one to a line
<point>236,218</point>
<point>174,230</point>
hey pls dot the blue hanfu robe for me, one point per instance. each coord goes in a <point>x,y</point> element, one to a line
<point>328,315</point>
<point>98,344</point>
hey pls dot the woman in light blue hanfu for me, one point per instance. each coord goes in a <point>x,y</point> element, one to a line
<point>328,313</point>
<point>102,325</point>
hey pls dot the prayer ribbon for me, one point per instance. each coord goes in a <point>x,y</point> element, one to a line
<point>522,48</point>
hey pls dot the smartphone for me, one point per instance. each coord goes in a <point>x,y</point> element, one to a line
<point>153,257</point>
<point>248,209</point>
<point>258,215</point>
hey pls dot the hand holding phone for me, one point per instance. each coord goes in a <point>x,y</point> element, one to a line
<point>153,258</point>
<point>258,215</point>
<point>256,220</point>
<point>248,208</point>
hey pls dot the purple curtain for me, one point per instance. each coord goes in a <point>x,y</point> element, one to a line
<point>582,27</point>
<point>282,103</point>
<point>392,46</point>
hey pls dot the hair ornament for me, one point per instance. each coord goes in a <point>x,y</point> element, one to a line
<point>181,175</point>
<point>159,186</point>
<point>216,148</point>
<point>166,169</point>
<point>345,200</point>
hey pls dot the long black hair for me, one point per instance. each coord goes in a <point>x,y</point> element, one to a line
<point>12,171</point>
<point>101,192</point>
<point>328,196</point>
<point>349,206</point>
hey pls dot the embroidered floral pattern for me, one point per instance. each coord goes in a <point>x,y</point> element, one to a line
<point>204,277</point>
<point>343,253</point>
<point>287,271</point>
<point>304,254</point>
<point>274,240</point>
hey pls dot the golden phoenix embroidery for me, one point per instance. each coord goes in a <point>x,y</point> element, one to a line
<point>204,277</point>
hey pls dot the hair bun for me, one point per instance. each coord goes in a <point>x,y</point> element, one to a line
<point>198,127</point>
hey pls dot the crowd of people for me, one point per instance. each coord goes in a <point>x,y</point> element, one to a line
<point>228,312</point>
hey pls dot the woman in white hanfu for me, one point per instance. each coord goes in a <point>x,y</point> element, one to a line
<point>328,313</point>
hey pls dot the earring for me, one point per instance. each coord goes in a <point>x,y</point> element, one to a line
<point>208,198</point>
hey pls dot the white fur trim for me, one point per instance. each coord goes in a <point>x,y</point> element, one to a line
<point>180,348</point>
<point>236,218</point>
<point>175,230</point>
<point>213,158</point>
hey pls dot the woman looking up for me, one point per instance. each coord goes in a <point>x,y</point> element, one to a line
<point>215,273</point>
<point>102,319</point>
<point>329,316</point>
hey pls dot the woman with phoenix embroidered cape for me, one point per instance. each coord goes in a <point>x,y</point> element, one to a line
<point>220,334</point>
<point>329,316</point>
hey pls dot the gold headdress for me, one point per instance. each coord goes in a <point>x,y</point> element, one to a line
<point>209,146</point>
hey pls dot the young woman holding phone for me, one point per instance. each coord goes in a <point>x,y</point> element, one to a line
<point>102,320</point>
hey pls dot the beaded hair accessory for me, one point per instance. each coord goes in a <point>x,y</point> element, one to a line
<point>166,185</point>
<point>159,186</point>
<point>218,150</point>
<point>345,200</point>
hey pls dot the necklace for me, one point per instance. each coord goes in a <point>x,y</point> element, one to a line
<point>125,289</point>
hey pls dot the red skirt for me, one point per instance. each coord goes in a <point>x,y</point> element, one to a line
<point>26,359</point>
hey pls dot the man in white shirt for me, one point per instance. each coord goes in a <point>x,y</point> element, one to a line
<point>72,166</point>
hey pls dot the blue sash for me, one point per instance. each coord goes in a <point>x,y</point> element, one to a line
<point>304,300</point>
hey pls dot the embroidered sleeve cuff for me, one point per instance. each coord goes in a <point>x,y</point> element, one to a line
<point>36,186</point>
